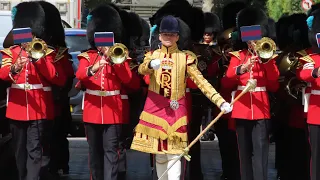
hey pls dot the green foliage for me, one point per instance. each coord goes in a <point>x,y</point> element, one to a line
<point>276,8</point>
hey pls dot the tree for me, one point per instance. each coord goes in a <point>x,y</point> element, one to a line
<point>276,8</point>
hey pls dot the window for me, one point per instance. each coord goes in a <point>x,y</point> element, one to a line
<point>77,43</point>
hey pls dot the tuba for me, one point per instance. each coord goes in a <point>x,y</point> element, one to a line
<point>265,48</point>
<point>37,48</point>
<point>118,53</point>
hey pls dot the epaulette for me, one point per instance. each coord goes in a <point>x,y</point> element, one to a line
<point>307,59</point>
<point>302,53</point>
<point>85,55</point>
<point>7,52</point>
<point>49,51</point>
<point>133,65</point>
<point>274,56</point>
<point>60,53</point>
<point>191,57</point>
<point>236,54</point>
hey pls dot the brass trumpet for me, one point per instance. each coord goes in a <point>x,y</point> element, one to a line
<point>265,49</point>
<point>118,53</point>
<point>37,48</point>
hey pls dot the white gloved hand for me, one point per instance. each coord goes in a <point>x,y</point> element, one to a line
<point>226,107</point>
<point>155,64</point>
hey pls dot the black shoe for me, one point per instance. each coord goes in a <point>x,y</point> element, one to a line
<point>205,137</point>
<point>211,135</point>
<point>223,177</point>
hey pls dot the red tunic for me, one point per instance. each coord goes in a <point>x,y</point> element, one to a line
<point>102,99</point>
<point>128,88</point>
<point>310,75</point>
<point>30,96</point>
<point>255,105</point>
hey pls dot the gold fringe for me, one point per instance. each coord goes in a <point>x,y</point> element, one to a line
<point>170,130</point>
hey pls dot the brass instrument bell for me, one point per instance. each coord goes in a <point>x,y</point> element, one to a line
<point>118,53</point>
<point>265,48</point>
<point>287,63</point>
<point>37,48</point>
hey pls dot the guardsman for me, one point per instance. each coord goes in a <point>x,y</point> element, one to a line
<point>162,129</point>
<point>252,111</point>
<point>292,38</point>
<point>103,106</point>
<point>62,115</point>
<point>31,78</point>
<point>225,127</point>
<point>310,74</point>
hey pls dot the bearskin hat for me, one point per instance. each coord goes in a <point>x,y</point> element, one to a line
<point>313,22</point>
<point>292,32</point>
<point>144,38</point>
<point>272,29</point>
<point>54,35</point>
<point>181,9</point>
<point>104,18</point>
<point>229,14</point>
<point>212,23</point>
<point>253,16</point>
<point>30,14</point>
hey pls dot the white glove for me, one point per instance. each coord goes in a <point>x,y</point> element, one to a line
<point>155,64</point>
<point>226,107</point>
<point>308,66</point>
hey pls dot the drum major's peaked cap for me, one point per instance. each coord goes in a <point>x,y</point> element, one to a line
<point>104,18</point>
<point>212,23</point>
<point>181,9</point>
<point>55,35</point>
<point>169,24</point>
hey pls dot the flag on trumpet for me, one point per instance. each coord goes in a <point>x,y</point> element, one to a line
<point>251,33</point>
<point>22,35</point>
<point>104,38</point>
<point>318,39</point>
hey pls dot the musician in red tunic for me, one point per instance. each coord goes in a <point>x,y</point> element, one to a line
<point>292,146</point>
<point>310,73</point>
<point>103,106</point>
<point>30,103</point>
<point>252,111</point>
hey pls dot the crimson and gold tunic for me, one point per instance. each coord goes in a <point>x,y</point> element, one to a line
<point>163,126</point>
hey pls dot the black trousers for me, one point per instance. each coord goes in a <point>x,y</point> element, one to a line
<point>194,170</point>
<point>253,142</point>
<point>103,143</point>
<point>31,145</point>
<point>228,146</point>
<point>297,157</point>
<point>314,133</point>
<point>59,144</point>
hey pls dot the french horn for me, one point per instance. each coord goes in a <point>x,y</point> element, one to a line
<point>37,48</point>
<point>286,63</point>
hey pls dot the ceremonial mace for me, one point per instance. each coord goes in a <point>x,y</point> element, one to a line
<point>251,85</point>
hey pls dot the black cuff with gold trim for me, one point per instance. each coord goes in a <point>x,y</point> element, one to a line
<point>315,73</point>
<point>90,71</point>
<point>238,70</point>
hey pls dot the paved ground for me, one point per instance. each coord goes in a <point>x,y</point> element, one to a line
<point>139,166</point>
